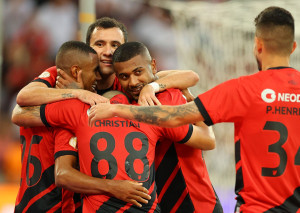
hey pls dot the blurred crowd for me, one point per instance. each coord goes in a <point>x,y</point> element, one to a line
<point>33,30</point>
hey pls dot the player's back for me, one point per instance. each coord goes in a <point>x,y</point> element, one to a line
<point>38,192</point>
<point>183,183</point>
<point>268,145</point>
<point>113,148</point>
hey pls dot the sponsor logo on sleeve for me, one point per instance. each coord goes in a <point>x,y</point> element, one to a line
<point>44,75</point>
<point>73,142</point>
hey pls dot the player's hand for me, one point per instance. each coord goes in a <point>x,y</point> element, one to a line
<point>90,97</point>
<point>129,191</point>
<point>147,97</point>
<point>64,81</point>
<point>100,111</point>
<point>188,95</point>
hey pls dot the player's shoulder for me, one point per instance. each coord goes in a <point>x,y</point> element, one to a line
<point>171,96</point>
<point>71,103</point>
<point>169,92</point>
<point>47,77</point>
<point>38,132</point>
<point>51,71</point>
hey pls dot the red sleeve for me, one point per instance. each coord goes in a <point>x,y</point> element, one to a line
<point>65,143</point>
<point>179,134</point>
<point>65,114</point>
<point>171,97</point>
<point>227,102</point>
<point>47,77</point>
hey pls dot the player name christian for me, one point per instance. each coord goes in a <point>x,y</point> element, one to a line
<point>116,123</point>
<point>283,110</point>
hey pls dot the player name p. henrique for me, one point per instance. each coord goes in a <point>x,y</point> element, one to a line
<point>282,110</point>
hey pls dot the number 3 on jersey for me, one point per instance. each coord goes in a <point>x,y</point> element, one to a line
<point>279,150</point>
<point>133,155</point>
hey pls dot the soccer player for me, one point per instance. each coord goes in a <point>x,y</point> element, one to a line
<point>264,108</point>
<point>38,192</point>
<point>182,179</point>
<point>117,148</point>
<point>105,35</point>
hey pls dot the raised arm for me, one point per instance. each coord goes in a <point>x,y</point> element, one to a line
<point>180,79</point>
<point>165,116</point>
<point>68,177</point>
<point>37,93</point>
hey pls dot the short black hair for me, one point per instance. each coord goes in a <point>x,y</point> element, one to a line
<point>70,48</point>
<point>276,16</point>
<point>129,50</point>
<point>106,23</point>
<point>276,26</point>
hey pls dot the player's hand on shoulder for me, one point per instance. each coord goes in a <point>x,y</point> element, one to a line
<point>100,111</point>
<point>129,191</point>
<point>147,97</point>
<point>90,97</point>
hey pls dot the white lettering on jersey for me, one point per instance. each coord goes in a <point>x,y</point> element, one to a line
<point>269,96</point>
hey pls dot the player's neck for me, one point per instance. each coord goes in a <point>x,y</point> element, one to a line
<point>275,61</point>
<point>106,82</point>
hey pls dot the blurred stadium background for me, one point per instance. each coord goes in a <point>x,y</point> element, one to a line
<point>214,38</point>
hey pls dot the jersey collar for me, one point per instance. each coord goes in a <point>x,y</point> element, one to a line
<point>278,68</point>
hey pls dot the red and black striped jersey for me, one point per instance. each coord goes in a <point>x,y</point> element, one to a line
<point>38,192</point>
<point>113,148</point>
<point>265,110</point>
<point>183,183</point>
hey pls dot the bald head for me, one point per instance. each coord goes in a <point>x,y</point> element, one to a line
<point>129,50</point>
<point>275,26</point>
<point>73,53</point>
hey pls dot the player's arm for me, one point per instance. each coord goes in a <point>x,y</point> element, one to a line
<point>27,116</point>
<point>165,116</point>
<point>38,93</point>
<point>68,177</point>
<point>188,95</point>
<point>180,79</point>
<point>202,137</point>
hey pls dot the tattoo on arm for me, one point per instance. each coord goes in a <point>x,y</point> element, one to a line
<point>31,111</point>
<point>67,95</point>
<point>159,114</point>
<point>163,86</point>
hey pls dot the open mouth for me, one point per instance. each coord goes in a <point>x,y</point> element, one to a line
<point>106,62</point>
<point>136,91</point>
<point>94,86</point>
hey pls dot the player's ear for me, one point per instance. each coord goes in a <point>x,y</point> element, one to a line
<point>153,66</point>
<point>258,44</point>
<point>294,46</point>
<point>74,71</point>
